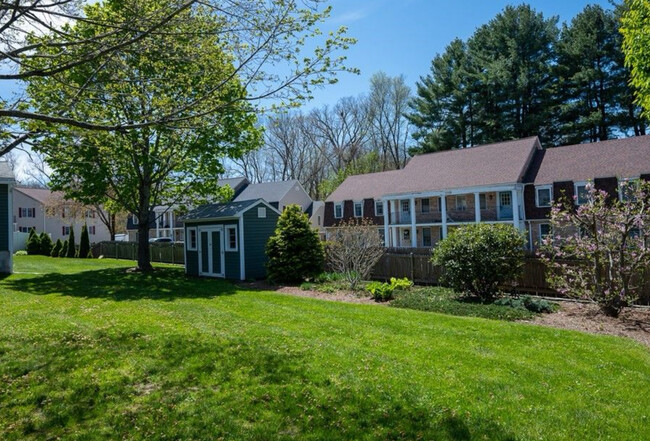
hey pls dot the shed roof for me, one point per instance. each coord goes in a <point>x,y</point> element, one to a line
<point>219,211</point>
<point>6,174</point>
<point>623,158</point>
<point>269,191</point>
<point>490,164</point>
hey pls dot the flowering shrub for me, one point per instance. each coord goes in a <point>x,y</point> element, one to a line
<point>601,249</point>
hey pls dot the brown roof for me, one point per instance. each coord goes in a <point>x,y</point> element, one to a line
<point>623,158</point>
<point>41,195</point>
<point>489,164</point>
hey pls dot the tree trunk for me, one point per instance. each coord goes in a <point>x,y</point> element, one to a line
<point>113,226</point>
<point>144,253</point>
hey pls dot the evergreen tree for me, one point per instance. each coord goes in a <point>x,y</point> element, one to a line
<point>84,243</point>
<point>33,243</point>
<point>295,252</point>
<point>64,249</point>
<point>45,247</point>
<point>56,249</point>
<point>71,250</point>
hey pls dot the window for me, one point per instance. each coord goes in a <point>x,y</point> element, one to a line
<point>338,211</point>
<point>543,196</point>
<point>425,205</point>
<point>379,208</point>
<point>65,231</point>
<point>90,214</point>
<point>406,234</point>
<point>461,203</point>
<point>26,212</point>
<point>231,238</point>
<point>191,239</point>
<point>482,201</point>
<point>91,229</point>
<point>261,212</point>
<point>358,209</point>
<point>426,237</point>
<point>406,207</point>
<point>319,221</point>
<point>581,193</point>
<point>24,229</point>
<point>544,230</point>
<point>626,188</point>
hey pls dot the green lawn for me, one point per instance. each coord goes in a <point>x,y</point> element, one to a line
<point>90,352</point>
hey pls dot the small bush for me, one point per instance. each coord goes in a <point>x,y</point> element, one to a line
<point>529,303</point>
<point>33,243</point>
<point>328,277</point>
<point>382,292</point>
<point>45,247</point>
<point>64,249</point>
<point>478,258</point>
<point>71,250</point>
<point>84,243</point>
<point>295,252</point>
<point>20,253</point>
<point>307,286</point>
<point>56,249</point>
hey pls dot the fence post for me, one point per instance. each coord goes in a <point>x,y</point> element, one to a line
<point>412,267</point>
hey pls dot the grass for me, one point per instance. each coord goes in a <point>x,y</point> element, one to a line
<point>447,301</point>
<point>90,352</point>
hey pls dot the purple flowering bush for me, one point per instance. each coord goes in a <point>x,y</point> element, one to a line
<point>600,250</point>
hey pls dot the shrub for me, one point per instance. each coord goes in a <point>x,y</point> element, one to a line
<point>33,243</point>
<point>64,249</point>
<point>353,250</point>
<point>20,253</point>
<point>382,292</point>
<point>295,251</point>
<point>477,258</point>
<point>84,243</point>
<point>71,250</point>
<point>46,244</point>
<point>529,303</point>
<point>56,249</point>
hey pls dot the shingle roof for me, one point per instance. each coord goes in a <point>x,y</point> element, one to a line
<point>269,191</point>
<point>624,158</point>
<point>490,164</point>
<point>5,171</point>
<point>214,211</point>
<point>233,182</point>
<point>42,195</point>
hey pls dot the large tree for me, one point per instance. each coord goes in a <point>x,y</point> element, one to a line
<point>635,22</point>
<point>140,168</point>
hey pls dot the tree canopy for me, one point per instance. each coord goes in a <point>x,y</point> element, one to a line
<point>636,45</point>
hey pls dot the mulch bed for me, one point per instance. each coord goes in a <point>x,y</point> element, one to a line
<point>633,323</point>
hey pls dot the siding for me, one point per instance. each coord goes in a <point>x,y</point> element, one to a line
<point>532,210</point>
<point>231,258</point>
<point>256,234</point>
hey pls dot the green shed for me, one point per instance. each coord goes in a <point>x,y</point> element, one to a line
<point>229,240</point>
<point>6,217</point>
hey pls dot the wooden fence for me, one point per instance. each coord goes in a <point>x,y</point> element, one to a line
<point>170,252</point>
<point>415,264</point>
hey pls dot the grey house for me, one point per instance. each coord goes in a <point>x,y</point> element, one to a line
<point>229,240</point>
<point>6,218</point>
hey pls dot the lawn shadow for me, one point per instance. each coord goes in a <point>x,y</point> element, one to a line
<point>117,284</point>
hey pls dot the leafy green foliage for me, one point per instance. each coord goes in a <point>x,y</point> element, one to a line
<point>64,249</point>
<point>635,22</point>
<point>71,250</point>
<point>45,244</point>
<point>383,292</point>
<point>478,258</point>
<point>295,252</point>
<point>33,243</point>
<point>56,249</point>
<point>84,243</point>
<point>529,303</point>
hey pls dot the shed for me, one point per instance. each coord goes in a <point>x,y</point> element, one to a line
<point>229,240</point>
<point>6,217</point>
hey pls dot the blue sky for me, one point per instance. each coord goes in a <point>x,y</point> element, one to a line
<point>403,36</point>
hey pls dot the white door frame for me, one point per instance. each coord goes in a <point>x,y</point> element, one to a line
<point>209,230</point>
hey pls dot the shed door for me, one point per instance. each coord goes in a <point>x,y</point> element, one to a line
<point>505,205</point>
<point>211,256</point>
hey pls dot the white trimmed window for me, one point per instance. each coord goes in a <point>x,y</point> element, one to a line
<point>231,237</point>
<point>261,212</point>
<point>543,196</point>
<point>191,239</point>
<point>461,203</point>
<point>406,207</point>
<point>379,208</point>
<point>338,210</point>
<point>581,193</point>
<point>65,231</point>
<point>92,230</point>
<point>358,209</point>
<point>426,207</point>
<point>544,230</point>
<point>626,189</point>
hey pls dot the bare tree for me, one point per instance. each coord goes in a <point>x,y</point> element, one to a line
<point>353,249</point>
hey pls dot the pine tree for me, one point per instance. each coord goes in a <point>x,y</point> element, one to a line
<point>45,246</point>
<point>72,250</point>
<point>56,249</point>
<point>295,252</point>
<point>84,243</point>
<point>33,243</point>
<point>64,249</point>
